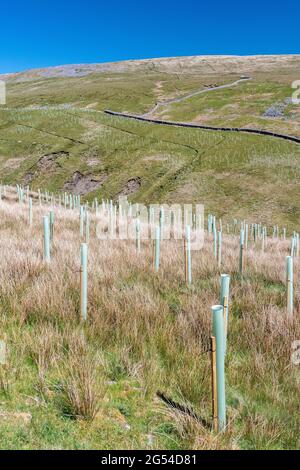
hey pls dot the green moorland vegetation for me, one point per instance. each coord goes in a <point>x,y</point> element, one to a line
<point>68,385</point>
<point>232,175</point>
<point>241,106</point>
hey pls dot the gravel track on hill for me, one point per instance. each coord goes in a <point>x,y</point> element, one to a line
<point>190,95</point>
<point>145,117</point>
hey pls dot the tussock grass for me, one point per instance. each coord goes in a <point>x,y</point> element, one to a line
<point>94,385</point>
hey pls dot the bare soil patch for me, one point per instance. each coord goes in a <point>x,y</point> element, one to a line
<point>131,187</point>
<point>84,184</point>
<point>45,164</point>
<point>13,163</point>
<point>93,162</point>
<point>48,161</point>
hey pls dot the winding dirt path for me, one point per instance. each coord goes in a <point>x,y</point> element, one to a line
<point>161,104</point>
<point>146,117</point>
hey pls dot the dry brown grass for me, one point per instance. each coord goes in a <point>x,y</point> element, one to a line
<point>151,327</point>
<point>81,391</point>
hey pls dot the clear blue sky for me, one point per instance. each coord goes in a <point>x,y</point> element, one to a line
<point>42,33</point>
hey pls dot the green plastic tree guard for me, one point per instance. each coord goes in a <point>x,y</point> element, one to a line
<point>218,333</point>
<point>224,300</point>
<point>83,280</point>
<point>46,239</point>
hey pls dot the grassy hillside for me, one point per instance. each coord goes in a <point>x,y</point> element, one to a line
<point>74,385</point>
<point>245,105</point>
<point>60,111</point>
<point>232,175</point>
<point>94,385</point>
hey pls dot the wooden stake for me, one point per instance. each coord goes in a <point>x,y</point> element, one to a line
<point>224,300</point>
<point>51,221</point>
<point>225,307</point>
<point>214,398</point>
<point>219,249</point>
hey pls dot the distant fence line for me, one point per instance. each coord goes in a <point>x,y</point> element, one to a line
<point>200,126</point>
